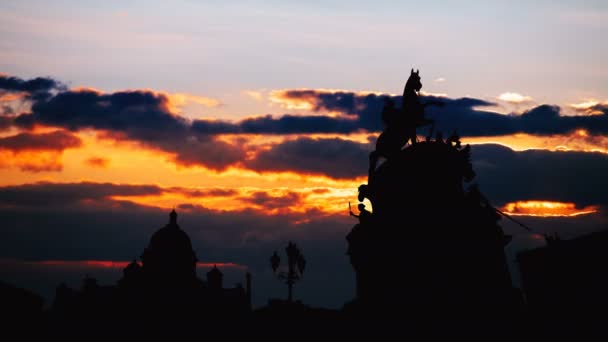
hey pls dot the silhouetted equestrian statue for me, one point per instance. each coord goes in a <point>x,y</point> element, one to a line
<point>428,246</point>
<point>400,124</point>
<point>413,109</point>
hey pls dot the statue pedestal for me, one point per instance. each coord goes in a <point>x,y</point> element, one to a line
<point>429,243</point>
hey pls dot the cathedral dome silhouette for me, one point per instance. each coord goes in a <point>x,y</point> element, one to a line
<point>170,253</point>
<point>171,238</point>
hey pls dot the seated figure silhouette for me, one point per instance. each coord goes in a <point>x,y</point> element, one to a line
<point>364,214</point>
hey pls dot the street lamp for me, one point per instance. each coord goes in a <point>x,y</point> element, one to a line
<point>295,267</point>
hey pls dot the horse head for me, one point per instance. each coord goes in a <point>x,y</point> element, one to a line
<point>413,82</point>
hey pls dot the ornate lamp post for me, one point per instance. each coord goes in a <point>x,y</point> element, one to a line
<point>295,267</point>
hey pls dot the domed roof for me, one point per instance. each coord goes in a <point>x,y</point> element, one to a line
<point>171,238</point>
<point>214,272</point>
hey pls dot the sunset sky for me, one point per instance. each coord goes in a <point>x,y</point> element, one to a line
<point>254,119</point>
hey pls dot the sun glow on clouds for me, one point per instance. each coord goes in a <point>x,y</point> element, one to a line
<point>32,161</point>
<point>178,100</point>
<point>588,107</point>
<point>307,98</point>
<point>288,192</point>
<point>254,94</point>
<point>546,209</point>
<point>10,97</point>
<point>584,104</point>
<point>579,140</point>
<point>277,201</point>
<point>514,97</point>
<point>131,164</point>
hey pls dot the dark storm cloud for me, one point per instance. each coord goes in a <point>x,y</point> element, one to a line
<point>365,107</point>
<point>141,116</point>
<point>210,192</point>
<point>144,117</point>
<point>53,141</point>
<point>5,122</point>
<point>267,201</point>
<point>462,115</point>
<point>362,113</point>
<point>38,88</point>
<point>64,194</point>
<point>335,158</point>
<point>286,124</point>
<point>6,110</point>
<point>505,175</point>
<point>137,113</point>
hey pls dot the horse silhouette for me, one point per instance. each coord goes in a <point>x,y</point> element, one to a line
<point>400,125</point>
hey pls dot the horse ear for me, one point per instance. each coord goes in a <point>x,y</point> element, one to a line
<point>412,70</point>
<point>417,71</point>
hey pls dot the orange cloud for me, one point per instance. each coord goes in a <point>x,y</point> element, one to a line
<point>254,94</point>
<point>36,151</point>
<point>578,140</point>
<point>99,162</point>
<point>10,96</point>
<point>546,209</point>
<point>589,107</point>
<point>281,98</point>
<point>307,99</point>
<point>32,161</point>
<point>57,140</point>
<point>265,201</point>
<point>179,100</point>
<point>174,101</point>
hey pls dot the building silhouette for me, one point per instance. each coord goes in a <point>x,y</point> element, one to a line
<point>164,282</point>
<point>567,277</point>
